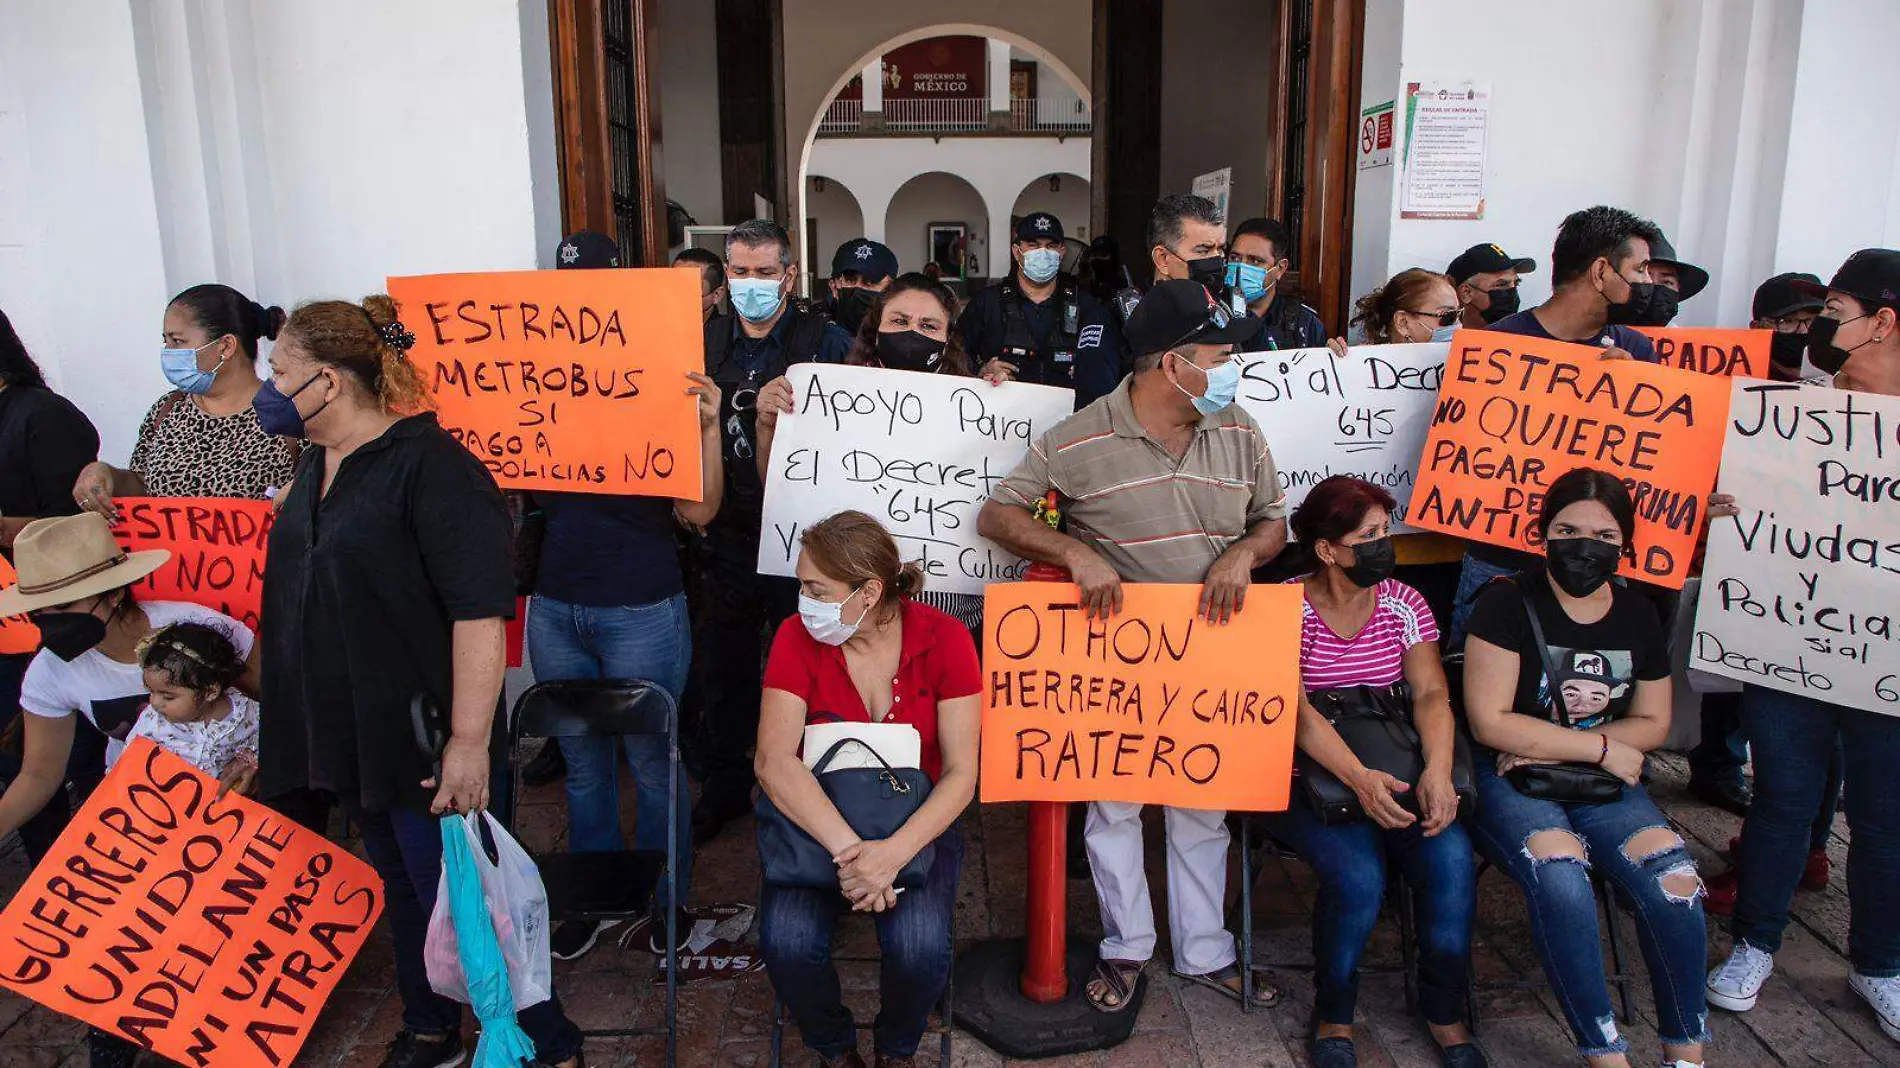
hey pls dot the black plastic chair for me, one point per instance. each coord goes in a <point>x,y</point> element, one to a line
<point>592,887</point>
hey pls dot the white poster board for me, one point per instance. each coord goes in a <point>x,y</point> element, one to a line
<point>1366,415</point>
<point>1216,186</point>
<point>1801,590</point>
<point>920,452</point>
<point>1446,124</point>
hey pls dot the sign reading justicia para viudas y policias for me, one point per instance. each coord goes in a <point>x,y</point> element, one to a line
<point>1800,590</point>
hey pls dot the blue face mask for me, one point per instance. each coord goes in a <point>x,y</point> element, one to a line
<point>277,412</point>
<point>1249,279</point>
<point>1041,264</point>
<point>755,299</point>
<point>1223,383</point>
<point>1443,333</point>
<point>181,369</point>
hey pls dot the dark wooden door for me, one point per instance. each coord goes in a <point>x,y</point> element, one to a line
<point>607,123</point>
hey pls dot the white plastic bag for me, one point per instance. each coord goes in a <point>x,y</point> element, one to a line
<point>518,905</point>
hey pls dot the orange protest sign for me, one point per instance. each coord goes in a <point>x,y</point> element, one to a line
<point>217,546</point>
<point>17,633</point>
<point>209,930</point>
<point>1155,705</point>
<point>565,380</point>
<point>1515,413</point>
<point>1712,350</point>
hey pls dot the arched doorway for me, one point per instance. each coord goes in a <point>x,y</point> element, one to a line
<point>939,218</point>
<point>833,215</point>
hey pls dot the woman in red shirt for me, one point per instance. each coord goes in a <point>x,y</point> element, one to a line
<point>862,650</point>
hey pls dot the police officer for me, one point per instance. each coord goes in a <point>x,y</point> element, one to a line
<point>1040,324</point>
<point>767,332</point>
<point>1486,277</point>
<point>860,270</point>
<point>1257,259</point>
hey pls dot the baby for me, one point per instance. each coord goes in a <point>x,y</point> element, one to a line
<point>196,713</point>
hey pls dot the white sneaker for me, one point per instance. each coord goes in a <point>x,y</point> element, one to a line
<point>1736,985</point>
<point>1884,997</point>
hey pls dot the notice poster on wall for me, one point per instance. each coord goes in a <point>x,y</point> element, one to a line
<point>1446,126</point>
<point>1799,591</point>
<point>565,380</point>
<point>1217,186</point>
<point>1516,413</point>
<point>1376,135</point>
<point>1153,705</point>
<point>207,929</point>
<point>1365,416</point>
<point>920,452</point>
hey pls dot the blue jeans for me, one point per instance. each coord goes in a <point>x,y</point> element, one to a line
<point>405,847</point>
<point>1794,739</point>
<point>646,641</point>
<point>795,931</point>
<point>1350,861</point>
<point>1723,752</point>
<point>1563,906</point>
<point>1477,574</point>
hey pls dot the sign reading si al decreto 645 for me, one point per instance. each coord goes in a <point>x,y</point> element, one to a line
<point>207,929</point>
<point>921,452</point>
<point>566,380</point>
<point>1364,416</point>
<point>1800,591</point>
<point>1516,413</point>
<point>1153,705</point>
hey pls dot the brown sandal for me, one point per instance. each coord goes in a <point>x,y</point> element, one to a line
<point>1264,993</point>
<point>1112,988</point>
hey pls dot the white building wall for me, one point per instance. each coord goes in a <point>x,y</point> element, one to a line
<point>999,168</point>
<point>1070,203</point>
<point>689,110</point>
<point>1752,131</point>
<point>293,151</point>
<point>835,218</point>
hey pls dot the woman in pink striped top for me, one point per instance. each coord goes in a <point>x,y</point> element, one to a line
<point>1361,628</point>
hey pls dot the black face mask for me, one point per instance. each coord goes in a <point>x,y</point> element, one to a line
<point>68,635</point>
<point>1826,356</point>
<point>1580,566</point>
<point>1638,310</point>
<point>1785,352</point>
<point>908,350</point>
<point>1210,271</point>
<point>850,307</point>
<point>1664,303</point>
<point>1503,303</point>
<point>1372,563</point>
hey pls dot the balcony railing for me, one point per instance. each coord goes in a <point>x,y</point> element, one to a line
<point>930,117</point>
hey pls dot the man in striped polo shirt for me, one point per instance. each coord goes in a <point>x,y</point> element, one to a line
<point>1163,480</point>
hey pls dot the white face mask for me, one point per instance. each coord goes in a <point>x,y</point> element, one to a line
<point>824,620</point>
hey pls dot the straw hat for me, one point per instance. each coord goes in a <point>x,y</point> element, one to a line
<point>69,559</point>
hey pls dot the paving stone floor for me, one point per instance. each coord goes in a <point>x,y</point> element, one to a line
<point>1806,1017</point>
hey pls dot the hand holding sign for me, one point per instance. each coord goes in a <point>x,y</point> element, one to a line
<point>208,929</point>
<point>1153,706</point>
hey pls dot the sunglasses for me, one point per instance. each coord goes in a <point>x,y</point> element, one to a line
<point>1217,319</point>
<point>1442,318</point>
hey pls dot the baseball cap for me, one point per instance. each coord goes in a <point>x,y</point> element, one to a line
<point>1871,275</point>
<point>585,249</point>
<point>1693,279</point>
<point>1182,312</point>
<point>1037,225</point>
<point>871,260</point>
<point>1487,259</point>
<point>1779,298</point>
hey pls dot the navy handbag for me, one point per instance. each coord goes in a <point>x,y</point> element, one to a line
<point>874,801</point>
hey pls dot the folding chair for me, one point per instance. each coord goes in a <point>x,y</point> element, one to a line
<point>1397,891</point>
<point>591,887</point>
<point>945,1005</point>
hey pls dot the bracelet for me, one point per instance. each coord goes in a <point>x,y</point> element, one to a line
<point>1605,754</point>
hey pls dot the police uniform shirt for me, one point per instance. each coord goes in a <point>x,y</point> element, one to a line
<point>1290,325</point>
<point>1093,367</point>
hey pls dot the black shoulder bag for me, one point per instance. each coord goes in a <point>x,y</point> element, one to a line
<point>1571,782</point>
<point>1375,722</point>
<point>874,801</point>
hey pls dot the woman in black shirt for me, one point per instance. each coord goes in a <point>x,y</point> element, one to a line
<point>44,443</point>
<point>390,576</point>
<point>1599,707</point>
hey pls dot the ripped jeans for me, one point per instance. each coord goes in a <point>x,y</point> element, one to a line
<point>1630,843</point>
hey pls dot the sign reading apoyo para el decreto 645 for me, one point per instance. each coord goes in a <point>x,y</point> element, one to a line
<point>921,452</point>
<point>1800,590</point>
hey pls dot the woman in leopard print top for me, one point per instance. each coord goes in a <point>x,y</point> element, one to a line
<point>202,439</point>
